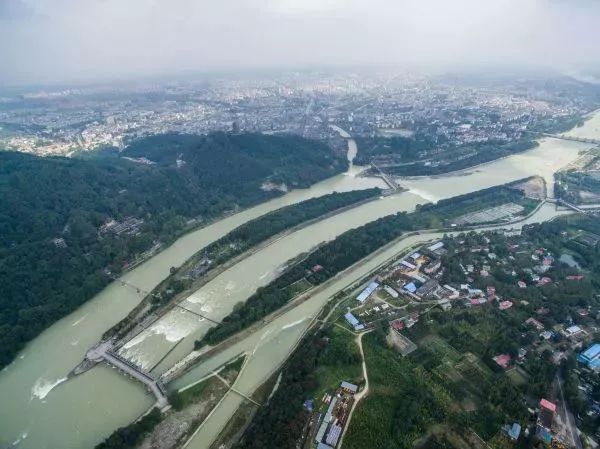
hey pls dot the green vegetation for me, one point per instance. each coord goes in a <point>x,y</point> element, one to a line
<point>347,249</point>
<point>282,422</point>
<point>340,360</point>
<point>403,400</point>
<point>242,162</point>
<point>42,199</point>
<point>464,157</point>
<point>404,149</point>
<point>435,385</point>
<point>131,435</point>
<point>450,393</point>
<point>260,229</point>
<point>427,153</point>
<point>181,399</point>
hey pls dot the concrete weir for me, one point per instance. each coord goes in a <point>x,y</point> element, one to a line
<point>104,352</point>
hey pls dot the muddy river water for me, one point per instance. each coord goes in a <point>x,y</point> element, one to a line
<point>39,409</point>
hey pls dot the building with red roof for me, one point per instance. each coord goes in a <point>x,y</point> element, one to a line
<point>503,360</point>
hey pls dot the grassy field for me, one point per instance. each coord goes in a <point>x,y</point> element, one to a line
<point>440,348</point>
<point>401,403</point>
<point>208,387</point>
<point>299,287</point>
<point>434,398</point>
<point>334,368</point>
<point>517,376</point>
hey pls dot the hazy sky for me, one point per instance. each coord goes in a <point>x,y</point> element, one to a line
<point>64,40</point>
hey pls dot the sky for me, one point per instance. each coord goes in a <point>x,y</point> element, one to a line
<point>60,41</point>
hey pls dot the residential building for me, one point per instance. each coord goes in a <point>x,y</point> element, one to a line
<point>591,357</point>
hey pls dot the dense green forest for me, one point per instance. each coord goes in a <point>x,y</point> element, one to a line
<point>131,435</point>
<point>347,249</point>
<point>401,149</point>
<point>243,160</point>
<point>427,154</point>
<point>69,199</point>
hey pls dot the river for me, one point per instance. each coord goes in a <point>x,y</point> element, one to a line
<point>270,346</point>
<point>40,412</point>
<point>217,298</point>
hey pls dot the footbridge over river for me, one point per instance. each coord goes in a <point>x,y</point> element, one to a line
<point>104,352</point>
<point>566,137</point>
<point>392,184</point>
<point>586,210</point>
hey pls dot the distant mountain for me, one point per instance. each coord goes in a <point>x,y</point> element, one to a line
<point>64,222</point>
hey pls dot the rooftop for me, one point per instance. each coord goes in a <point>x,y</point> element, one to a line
<point>545,403</point>
<point>351,319</point>
<point>592,352</point>
<point>348,386</point>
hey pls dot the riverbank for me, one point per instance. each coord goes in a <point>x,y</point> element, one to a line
<point>139,320</point>
<point>198,356</point>
<point>277,328</point>
<point>469,170</point>
<point>91,406</point>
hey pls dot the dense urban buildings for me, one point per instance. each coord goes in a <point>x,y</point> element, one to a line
<point>442,110</point>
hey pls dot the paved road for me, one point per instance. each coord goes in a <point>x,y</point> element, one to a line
<point>568,416</point>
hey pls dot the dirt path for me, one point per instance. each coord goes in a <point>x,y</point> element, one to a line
<point>364,391</point>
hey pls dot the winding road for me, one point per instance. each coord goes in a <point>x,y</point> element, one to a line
<point>358,396</point>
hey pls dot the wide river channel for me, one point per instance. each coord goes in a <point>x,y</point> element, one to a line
<point>39,409</point>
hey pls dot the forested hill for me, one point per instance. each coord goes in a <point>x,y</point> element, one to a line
<point>249,158</point>
<point>54,253</point>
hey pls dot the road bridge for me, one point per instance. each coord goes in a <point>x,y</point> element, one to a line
<point>125,283</point>
<point>392,184</point>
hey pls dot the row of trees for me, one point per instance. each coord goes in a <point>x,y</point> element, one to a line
<point>347,249</point>
<point>466,156</point>
<point>260,229</point>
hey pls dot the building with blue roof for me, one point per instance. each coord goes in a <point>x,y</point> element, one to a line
<point>364,295</point>
<point>353,321</point>
<point>309,405</point>
<point>410,287</point>
<point>591,357</point>
<point>514,431</point>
